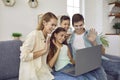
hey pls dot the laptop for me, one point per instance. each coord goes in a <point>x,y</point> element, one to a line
<point>86,60</point>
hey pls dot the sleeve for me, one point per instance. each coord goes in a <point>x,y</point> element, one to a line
<point>27,47</point>
<point>98,40</point>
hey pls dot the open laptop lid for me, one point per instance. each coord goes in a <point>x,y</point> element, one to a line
<point>87,59</point>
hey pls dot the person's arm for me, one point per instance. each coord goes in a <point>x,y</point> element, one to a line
<point>94,43</point>
<point>43,51</point>
<point>92,36</point>
<point>53,60</point>
<point>103,50</point>
<point>27,47</point>
<point>70,57</point>
<point>39,53</point>
<point>27,53</point>
<point>94,39</point>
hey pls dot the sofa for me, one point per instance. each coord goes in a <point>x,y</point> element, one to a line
<point>9,62</point>
<point>9,59</point>
<point>113,72</point>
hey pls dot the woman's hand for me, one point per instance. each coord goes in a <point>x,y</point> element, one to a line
<point>44,50</point>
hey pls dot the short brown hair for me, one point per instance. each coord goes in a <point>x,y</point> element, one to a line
<point>77,18</point>
<point>46,17</point>
<point>64,17</point>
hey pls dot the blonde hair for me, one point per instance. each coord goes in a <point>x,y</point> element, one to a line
<point>46,17</point>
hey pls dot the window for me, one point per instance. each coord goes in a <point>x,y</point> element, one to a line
<point>73,6</point>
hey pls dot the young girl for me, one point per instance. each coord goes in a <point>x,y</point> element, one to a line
<point>34,51</point>
<point>59,56</point>
<point>82,38</point>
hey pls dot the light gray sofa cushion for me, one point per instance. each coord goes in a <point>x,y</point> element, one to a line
<point>9,59</point>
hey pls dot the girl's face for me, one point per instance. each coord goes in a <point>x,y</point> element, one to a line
<point>60,37</point>
<point>65,24</point>
<point>50,26</point>
<point>78,26</point>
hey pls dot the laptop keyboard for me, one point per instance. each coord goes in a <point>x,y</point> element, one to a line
<point>70,70</point>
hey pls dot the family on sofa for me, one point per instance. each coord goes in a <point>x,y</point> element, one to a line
<point>41,56</point>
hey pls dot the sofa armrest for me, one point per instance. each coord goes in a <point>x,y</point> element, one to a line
<point>113,58</point>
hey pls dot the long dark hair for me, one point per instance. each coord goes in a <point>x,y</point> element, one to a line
<point>53,48</point>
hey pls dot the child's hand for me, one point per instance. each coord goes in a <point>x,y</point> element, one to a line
<point>92,35</point>
<point>58,47</point>
<point>68,35</point>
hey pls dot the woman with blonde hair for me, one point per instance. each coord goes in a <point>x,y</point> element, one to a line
<point>34,51</point>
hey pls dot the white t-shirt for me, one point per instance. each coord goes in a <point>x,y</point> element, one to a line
<point>63,58</point>
<point>78,42</point>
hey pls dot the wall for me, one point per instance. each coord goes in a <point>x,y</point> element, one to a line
<point>107,21</point>
<point>93,14</point>
<point>22,18</point>
<point>114,45</point>
<point>90,13</point>
<point>96,15</point>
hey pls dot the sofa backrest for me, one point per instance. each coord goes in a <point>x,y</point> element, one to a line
<point>9,58</point>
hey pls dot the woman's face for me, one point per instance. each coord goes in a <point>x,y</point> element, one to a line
<point>78,26</point>
<point>50,26</point>
<point>65,24</point>
<point>60,37</point>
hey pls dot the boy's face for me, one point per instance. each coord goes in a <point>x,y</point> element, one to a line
<point>65,24</point>
<point>78,26</point>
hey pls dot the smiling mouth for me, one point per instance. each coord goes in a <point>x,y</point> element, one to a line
<point>61,41</point>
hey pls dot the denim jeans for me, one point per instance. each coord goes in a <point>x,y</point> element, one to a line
<point>99,73</point>
<point>112,67</point>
